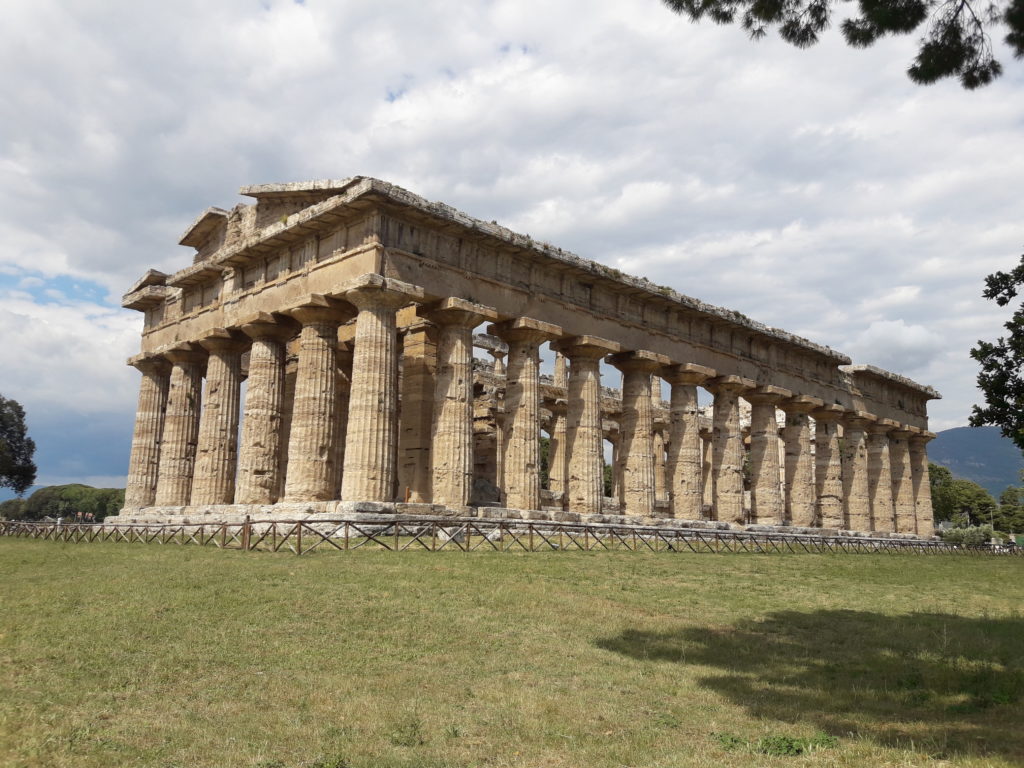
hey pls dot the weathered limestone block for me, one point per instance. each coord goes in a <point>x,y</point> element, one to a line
<point>902,481</point>
<point>181,427</point>
<point>452,434</point>
<point>584,431</point>
<point>880,476</point>
<point>521,451</point>
<point>856,493</point>
<point>922,488</point>
<point>311,454</point>
<point>637,427</point>
<point>217,448</point>
<point>371,441</point>
<point>801,494</point>
<point>144,464</point>
<point>684,464</point>
<point>727,452</point>
<point>829,468</point>
<point>259,456</point>
<point>767,504</point>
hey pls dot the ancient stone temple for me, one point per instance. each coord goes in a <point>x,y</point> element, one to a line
<point>317,358</point>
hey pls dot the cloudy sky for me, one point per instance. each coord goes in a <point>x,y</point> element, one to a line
<point>819,191</point>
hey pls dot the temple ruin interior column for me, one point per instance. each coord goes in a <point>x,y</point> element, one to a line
<point>659,451</point>
<point>856,493</point>
<point>800,494</point>
<point>419,344</point>
<point>683,467</point>
<point>311,452</point>
<point>902,481</point>
<point>181,426</point>
<point>259,456</point>
<point>291,365</point>
<point>880,476</point>
<point>144,464</point>
<point>767,505</point>
<point>371,441</point>
<point>707,473</point>
<point>828,466</point>
<point>217,446</point>
<point>558,459</point>
<point>584,428</point>
<point>922,488</point>
<point>636,426</point>
<point>452,434</point>
<point>521,481</point>
<point>727,452</point>
<point>343,358</point>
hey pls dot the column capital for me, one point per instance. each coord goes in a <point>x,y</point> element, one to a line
<point>150,364</point>
<point>922,437</point>
<point>525,329</point>
<point>737,384</point>
<point>801,404</point>
<point>688,374</point>
<point>317,308</point>
<point>585,347</point>
<point>828,413</point>
<point>882,426</point>
<point>642,360</point>
<point>768,395</point>
<point>263,325</point>
<point>219,339</point>
<point>372,291</point>
<point>902,432</point>
<point>557,406</point>
<point>185,353</point>
<point>457,312</point>
<point>858,419</point>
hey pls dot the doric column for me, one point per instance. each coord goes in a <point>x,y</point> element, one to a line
<point>181,426</point>
<point>856,495</point>
<point>343,358</point>
<point>637,427</point>
<point>683,469</point>
<point>616,471</point>
<point>451,438</point>
<point>584,428</point>
<point>828,466</point>
<point>217,449</point>
<point>259,455</point>
<point>658,451</point>
<point>144,464</point>
<point>558,459</point>
<point>922,488</point>
<point>291,364</point>
<point>801,495</point>
<point>707,475</point>
<point>880,476</point>
<point>561,377</point>
<point>767,504</point>
<point>418,365</point>
<point>902,481</point>
<point>727,451</point>
<point>371,440</point>
<point>521,482</point>
<point>311,451</point>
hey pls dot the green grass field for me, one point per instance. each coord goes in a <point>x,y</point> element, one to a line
<point>147,655</point>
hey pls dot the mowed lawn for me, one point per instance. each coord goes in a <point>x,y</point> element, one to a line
<point>149,655</point>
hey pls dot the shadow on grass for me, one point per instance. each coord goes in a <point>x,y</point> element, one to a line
<point>934,683</point>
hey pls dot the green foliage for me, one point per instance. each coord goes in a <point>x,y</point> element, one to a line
<point>968,536</point>
<point>956,42</point>
<point>17,470</point>
<point>1001,380</point>
<point>1009,516</point>
<point>65,501</point>
<point>958,500</point>
<point>545,462</point>
<point>606,474</point>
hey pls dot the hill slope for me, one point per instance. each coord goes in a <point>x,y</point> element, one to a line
<point>980,454</point>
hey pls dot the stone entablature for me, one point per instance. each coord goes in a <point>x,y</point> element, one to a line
<point>383,401</point>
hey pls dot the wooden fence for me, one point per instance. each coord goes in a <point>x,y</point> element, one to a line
<point>469,535</point>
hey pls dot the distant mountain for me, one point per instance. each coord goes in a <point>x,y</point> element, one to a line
<point>980,454</point>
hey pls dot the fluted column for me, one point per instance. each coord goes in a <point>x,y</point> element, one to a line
<point>144,464</point>
<point>707,475</point>
<point>856,494</point>
<point>259,455</point>
<point>922,488</point>
<point>683,468</point>
<point>727,451</point>
<point>880,476</point>
<point>417,380</point>
<point>181,427</point>
<point>311,453</point>
<point>801,495</point>
<point>451,438</point>
<point>521,482</point>
<point>828,466</point>
<point>371,441</point>
<point>343,357</point>
<point>637,428</point>
<point>217,449</point>
<point>614,437</point>
<point>902,481</point>
<point>767,504</point>
<point>558,458</point>
<point>584,429</point>
<point>658,449</point>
